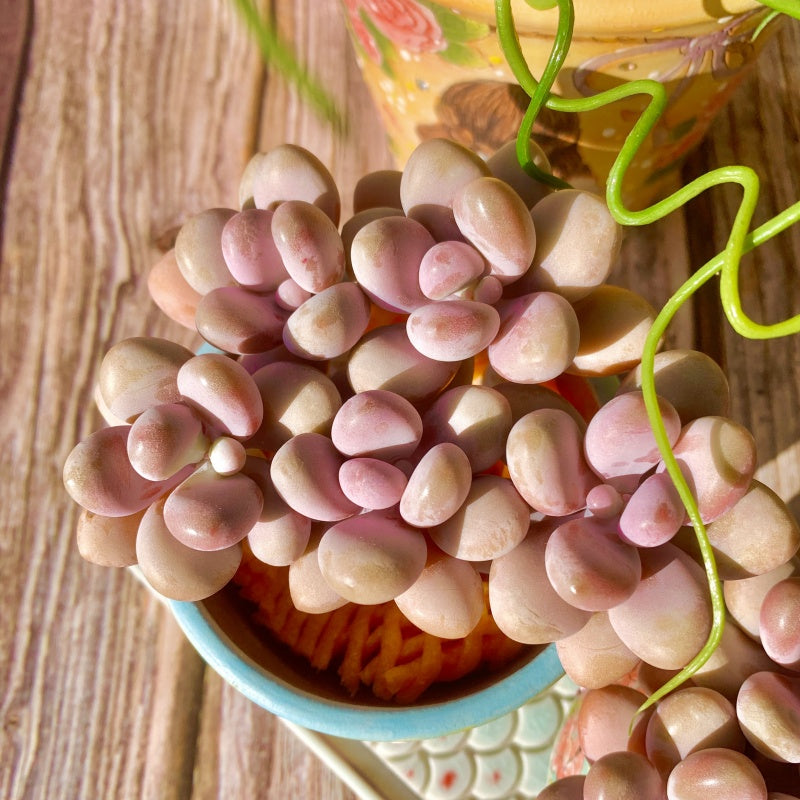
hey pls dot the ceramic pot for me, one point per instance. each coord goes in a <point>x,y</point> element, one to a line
<point>291,689</point>
<point>437,69</point>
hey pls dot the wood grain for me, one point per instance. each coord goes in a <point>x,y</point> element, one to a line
<point>15,29</point>
<point>128,120</point>
<point>117,121</point>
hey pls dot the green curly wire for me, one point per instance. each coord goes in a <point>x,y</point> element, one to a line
<point>725,264</point>
<point>538,91</point>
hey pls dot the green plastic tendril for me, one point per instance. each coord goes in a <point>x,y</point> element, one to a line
<point>542,5</point>
<point>725,264</point>
<point>713,267</point>
<point>539,90</point>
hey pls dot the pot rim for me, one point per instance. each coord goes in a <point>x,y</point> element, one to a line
<point>350,720</point>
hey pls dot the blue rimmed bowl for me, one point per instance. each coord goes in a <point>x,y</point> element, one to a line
<point>290,688</point>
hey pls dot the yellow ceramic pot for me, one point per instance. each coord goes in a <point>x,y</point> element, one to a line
<point>437,69</point>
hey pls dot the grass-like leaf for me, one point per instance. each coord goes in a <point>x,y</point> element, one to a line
<point>279,56</point>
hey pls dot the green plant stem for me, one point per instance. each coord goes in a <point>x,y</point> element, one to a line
<point>726,263</point>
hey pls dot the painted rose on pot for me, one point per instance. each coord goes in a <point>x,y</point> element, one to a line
<point>388,31</point>
<point>407,23</point>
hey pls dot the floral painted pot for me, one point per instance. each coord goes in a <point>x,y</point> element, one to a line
<point>437,69</point>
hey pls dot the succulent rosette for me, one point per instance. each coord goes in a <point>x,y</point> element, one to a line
<point>401,409</point>
<point>392,395</point>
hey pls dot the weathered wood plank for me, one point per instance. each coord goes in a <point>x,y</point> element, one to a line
<point>15,31</point>
<point>122,111</point>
